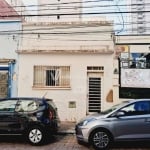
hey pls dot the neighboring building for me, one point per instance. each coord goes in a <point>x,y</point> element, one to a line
<point>139,21</point>
<point>9,40</point>
<point>134,66</point>
<point>55,10</point>
<point>108,10</point>
<point>70,62</point>
<point>18,5</point>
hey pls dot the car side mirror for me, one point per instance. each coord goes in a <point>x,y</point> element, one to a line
<point>120,113</point>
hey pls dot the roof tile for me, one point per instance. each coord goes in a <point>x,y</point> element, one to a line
<point>7,12</point>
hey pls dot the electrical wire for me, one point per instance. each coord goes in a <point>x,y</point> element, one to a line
<point>72,7</point>
<point>121,17</point>
<point>89,13</point>
<point>83,13</point>
<point>52,27</point>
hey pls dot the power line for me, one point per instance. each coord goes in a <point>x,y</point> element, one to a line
<point>121,17</point>
<point>54,28</point>
<point>60,3</point>
<point>67,33</point>
<point>86,7</point>
<point>84,13</point>
<point>83,2</point>
<point>70,7</point>
<point>59,33</point>
<point>58,39</point>
<point>61,27</point>
<point>82,40</point>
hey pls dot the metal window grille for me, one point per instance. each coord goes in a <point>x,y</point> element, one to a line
<point>94,95</point>
<point>51,76</point>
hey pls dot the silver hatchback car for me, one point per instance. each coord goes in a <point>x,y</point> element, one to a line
<point>124,122</point>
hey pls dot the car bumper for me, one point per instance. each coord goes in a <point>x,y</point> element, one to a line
<point>52,127</point>
<point>81,134</point>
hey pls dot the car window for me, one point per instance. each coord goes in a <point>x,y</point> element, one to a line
<point>114,108</point>
<point>26,106</point>
<point>137,108</point>
<point>8,105</point>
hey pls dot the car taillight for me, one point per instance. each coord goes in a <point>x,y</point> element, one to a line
<point>51,115</point>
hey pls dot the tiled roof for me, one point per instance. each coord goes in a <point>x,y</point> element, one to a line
<point>6,11</point>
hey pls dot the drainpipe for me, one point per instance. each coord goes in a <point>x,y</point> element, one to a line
<point>10,77</point>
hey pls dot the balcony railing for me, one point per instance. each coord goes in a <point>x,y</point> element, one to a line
<point>138,64</point>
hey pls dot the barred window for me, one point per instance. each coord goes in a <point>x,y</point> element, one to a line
<point>51,76</point>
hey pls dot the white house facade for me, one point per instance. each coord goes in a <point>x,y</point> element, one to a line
<point>139,18</point>
<point>71,63</point>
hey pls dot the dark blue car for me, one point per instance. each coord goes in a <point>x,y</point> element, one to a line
<point>35,118</point>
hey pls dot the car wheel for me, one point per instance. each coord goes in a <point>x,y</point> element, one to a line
<point>101,139</point>
<point>35,135</point>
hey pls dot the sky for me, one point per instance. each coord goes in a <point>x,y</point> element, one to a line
<point>29,2</point>
<point>118,18</point>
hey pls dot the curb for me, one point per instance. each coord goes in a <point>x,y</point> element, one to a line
<point>65,133</point>
<point>66,128</point>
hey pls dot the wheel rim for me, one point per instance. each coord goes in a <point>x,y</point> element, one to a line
<point>35,136</point>
<point>101,139</point>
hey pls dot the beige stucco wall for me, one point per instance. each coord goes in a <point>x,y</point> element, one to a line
<point>67,35</point>
<point>78,73</point>
<point>93,47</point>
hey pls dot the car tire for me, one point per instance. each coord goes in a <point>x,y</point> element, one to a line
<point>101,139</point>
<point>35,135</point>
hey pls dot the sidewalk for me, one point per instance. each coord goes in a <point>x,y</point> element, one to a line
<point>66,127</point>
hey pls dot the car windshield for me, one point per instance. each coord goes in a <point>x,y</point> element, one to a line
<point>113,108</point>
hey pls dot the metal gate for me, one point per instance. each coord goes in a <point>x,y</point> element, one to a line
<point>94,92</point>
<point>6,77</point>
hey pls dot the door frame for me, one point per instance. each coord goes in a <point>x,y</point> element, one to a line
<point>101,76</point>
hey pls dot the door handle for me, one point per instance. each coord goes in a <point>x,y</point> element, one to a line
<point>147,120</point>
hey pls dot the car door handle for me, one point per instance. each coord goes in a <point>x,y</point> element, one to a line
<point>147,120</point>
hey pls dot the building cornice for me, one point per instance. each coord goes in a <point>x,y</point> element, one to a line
<point>102,23</point>
<point>3,60</point>
<point>100,51</point>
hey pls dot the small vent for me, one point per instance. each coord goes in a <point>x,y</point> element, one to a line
<point>95,68</point>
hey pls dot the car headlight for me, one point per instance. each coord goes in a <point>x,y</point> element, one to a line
<point>85,122</point>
